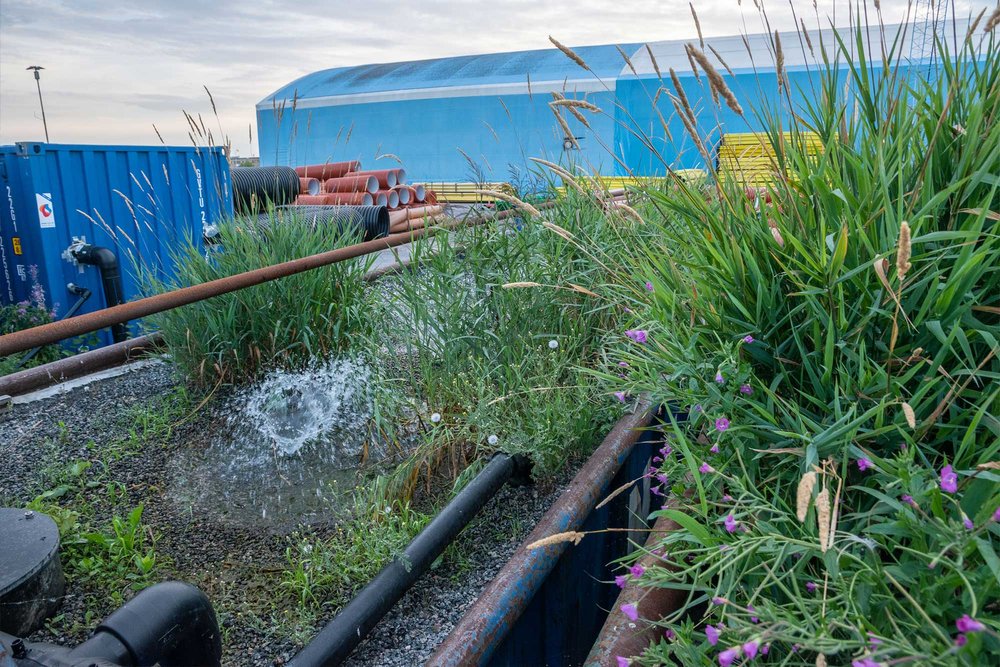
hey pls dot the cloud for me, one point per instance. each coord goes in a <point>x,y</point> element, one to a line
<point>116,68</point>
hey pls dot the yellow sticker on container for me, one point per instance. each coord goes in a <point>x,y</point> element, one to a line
<point>17,244</point>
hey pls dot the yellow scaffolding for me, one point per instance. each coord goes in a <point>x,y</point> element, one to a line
<point>748,158</point>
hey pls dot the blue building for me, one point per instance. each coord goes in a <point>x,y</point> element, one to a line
<point>476,117</point>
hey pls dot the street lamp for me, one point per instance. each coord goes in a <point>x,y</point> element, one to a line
<point>38,83</point>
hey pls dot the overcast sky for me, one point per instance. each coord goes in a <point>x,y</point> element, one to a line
<point>115,68</point>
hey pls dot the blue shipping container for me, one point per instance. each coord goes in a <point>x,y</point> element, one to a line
<point>142,202</point>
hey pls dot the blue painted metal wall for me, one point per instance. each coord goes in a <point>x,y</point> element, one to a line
<point>431,135</point>
<point>139,201</point>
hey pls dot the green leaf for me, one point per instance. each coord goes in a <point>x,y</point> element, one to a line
<point>690,524</point>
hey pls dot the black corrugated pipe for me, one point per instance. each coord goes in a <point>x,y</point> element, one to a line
<point>372,221</point>
<point>257,188</point>
<point>170,624</point>
<point>341,635</point>
<point>111,279</point>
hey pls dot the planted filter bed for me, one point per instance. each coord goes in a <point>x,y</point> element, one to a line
<point>827,325</point>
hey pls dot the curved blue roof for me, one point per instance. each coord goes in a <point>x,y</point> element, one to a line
<point>485,69</point>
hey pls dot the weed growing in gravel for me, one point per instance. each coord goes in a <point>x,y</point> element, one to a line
<point>284,323</point>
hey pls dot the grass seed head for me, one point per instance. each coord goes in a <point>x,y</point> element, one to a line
<point>823,519</point>
<point>903,251</point>
<point>512,200</point>
<point>558,538</point>
<point>652,59</point>
<point>804,495</point>
<point>911,417</point>
<point>715,79</point>
<point>569,53</point>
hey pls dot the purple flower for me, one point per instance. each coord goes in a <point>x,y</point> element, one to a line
<point>873,641</point>
<point>967,522</point>
<point>949,480</point>
<point>661,478</point>
<point>705,468</point>
<point>727,657</point>
<point>864,464</point>
<point>968,624</point>
<point>622,662</point>
<point>713,634</point>
<point>730,523</point>
<point>637,571</point>
<point>748,339</point>
<point>714,448</point>
<point>961,641</point>
<point>765,649</point>
<point>655,490</point>
<point>811,586</point>
<point>638,335</point>
<point>753,619</point>
<point>649,286</point>
<point>746,389</point>
<point>620,395</point>
<point>718,601</point>
<point>669,634</point>
<point>864,662</point>
<point>630,611</point>
<point>996,515</point>
<point>623,364</point>
<point>908,499</point>
<point>666,450</point>
<point>750,649</point>
<point>697,408</point>
<point>719,378</point>
<point>620,581</point>
<point>727,498</point>
<point>721,424</point>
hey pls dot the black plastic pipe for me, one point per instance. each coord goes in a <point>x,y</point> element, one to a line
<point>341,635</point>
<point>171,624</point>
<point>257,188</point>
<point>371,221</point>
<point>111,280</point>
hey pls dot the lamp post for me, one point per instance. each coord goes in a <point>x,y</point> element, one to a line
<point>38,82</point>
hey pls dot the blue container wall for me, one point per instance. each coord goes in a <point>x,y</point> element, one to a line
<point>142,202</point>
<point>429,135</point>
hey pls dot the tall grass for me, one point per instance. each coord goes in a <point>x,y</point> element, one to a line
<point>836,484</point>
<point>283,323</point>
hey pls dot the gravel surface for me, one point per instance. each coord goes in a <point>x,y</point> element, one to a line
<point>238,566</point>
<point>411,631</point>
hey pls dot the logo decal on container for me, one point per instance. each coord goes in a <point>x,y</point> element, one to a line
<point>46,214</point>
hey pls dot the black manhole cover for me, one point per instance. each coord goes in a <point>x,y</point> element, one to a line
<point>31,579</point>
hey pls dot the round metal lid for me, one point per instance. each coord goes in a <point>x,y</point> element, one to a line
<point>29,541</point>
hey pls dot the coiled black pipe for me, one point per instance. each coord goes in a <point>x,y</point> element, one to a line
<point>341,635</point>
<point>111,280</point>
<point>371,221</point>
<point>257,188</point>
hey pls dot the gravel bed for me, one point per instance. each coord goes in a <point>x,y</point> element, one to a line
<point>237,566</point>
<point>429,611</point>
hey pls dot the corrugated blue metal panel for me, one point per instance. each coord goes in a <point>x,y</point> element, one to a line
<point>431,135</point>
<point>139,201</point>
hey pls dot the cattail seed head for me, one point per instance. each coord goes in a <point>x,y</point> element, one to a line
<point>803,496</point>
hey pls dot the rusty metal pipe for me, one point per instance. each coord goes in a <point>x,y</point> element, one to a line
<point>26,339</point>
<point>56,331</point>
<point>621,636</point>
<point>76,366</point>
<point>498,607</point>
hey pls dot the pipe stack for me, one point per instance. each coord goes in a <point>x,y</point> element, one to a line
<point>346,184</point>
